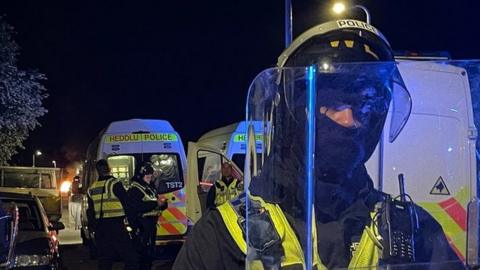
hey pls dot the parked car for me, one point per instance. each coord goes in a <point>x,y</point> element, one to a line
<point>37,243</point>
<point>8,234</point>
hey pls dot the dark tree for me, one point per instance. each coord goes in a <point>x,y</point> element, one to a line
<point>21,95</point>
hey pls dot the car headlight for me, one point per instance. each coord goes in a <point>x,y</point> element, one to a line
<point>32,260</point>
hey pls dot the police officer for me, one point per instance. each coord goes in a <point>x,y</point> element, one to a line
<point>351,113</point>
<point>224,189</point>
<point>146,208</point>
<point>107,207</point>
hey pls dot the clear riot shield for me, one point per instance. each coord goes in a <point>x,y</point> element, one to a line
<point>334,136</point>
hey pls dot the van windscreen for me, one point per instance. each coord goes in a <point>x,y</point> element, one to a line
<point>168,174</point>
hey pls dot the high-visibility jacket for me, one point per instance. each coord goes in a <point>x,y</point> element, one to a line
<point>149,196</point>
<point>106,204</point>
<point>224,192</point>
<point>367,253</point>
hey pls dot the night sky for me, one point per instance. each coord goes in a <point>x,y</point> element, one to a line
<point>188,62</point>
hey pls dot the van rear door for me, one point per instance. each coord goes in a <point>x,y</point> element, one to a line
<point>204,168</point>
<point>436,149</point>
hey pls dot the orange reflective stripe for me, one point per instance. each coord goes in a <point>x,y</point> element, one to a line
<point>177,213</point>
<point>455,211</point>
<point>169,228</point>
<point>173,220</point>
<point>452,216</point>
<point>166,220</point>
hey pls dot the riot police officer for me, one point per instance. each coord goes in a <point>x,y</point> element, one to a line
<point>146,208</point>
<point>313,196</point>
<point>107,207</point>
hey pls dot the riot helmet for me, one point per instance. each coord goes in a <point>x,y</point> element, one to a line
<point>351,109</point>
<point>348,67</point>
<point>342,41</point>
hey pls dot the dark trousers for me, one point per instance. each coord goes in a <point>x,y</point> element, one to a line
<point>113,242</point>
<point>147,253</point>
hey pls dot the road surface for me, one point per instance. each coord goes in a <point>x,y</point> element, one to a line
<point>75,256</point>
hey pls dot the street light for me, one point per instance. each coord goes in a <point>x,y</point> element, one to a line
<point>340,7</point>
<point>54,163</point>
<point>36,153</point>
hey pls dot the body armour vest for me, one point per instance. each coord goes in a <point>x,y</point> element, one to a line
<point>106,204</point>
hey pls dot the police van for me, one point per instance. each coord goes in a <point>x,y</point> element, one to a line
<point>126,145</point>
<point>206,156</point>
<point>436,150</point>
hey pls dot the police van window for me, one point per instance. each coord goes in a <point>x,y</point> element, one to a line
<point>167,172</point>
<point>209,169</point>
<point>122,166</point>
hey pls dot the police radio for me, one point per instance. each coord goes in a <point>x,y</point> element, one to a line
<point>398,225</point>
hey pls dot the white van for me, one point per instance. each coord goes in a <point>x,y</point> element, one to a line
<point>231,140</point>
<point>436,149</point>
<point>125,145</point>
<point>38,181</point>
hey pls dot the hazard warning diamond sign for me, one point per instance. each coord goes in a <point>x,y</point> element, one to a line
<point>440,188</point>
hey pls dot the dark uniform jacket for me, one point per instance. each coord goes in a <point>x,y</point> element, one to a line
<point>142,199</point>
<point>138,206</point>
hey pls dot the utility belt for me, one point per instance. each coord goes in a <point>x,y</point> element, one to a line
<point>142,240</point>
<point>103,220</point>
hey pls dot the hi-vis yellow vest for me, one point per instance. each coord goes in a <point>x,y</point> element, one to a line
<point>366,255</point>
<point>224,193</point>
<point>104,200</point>
<point>148,196</point>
